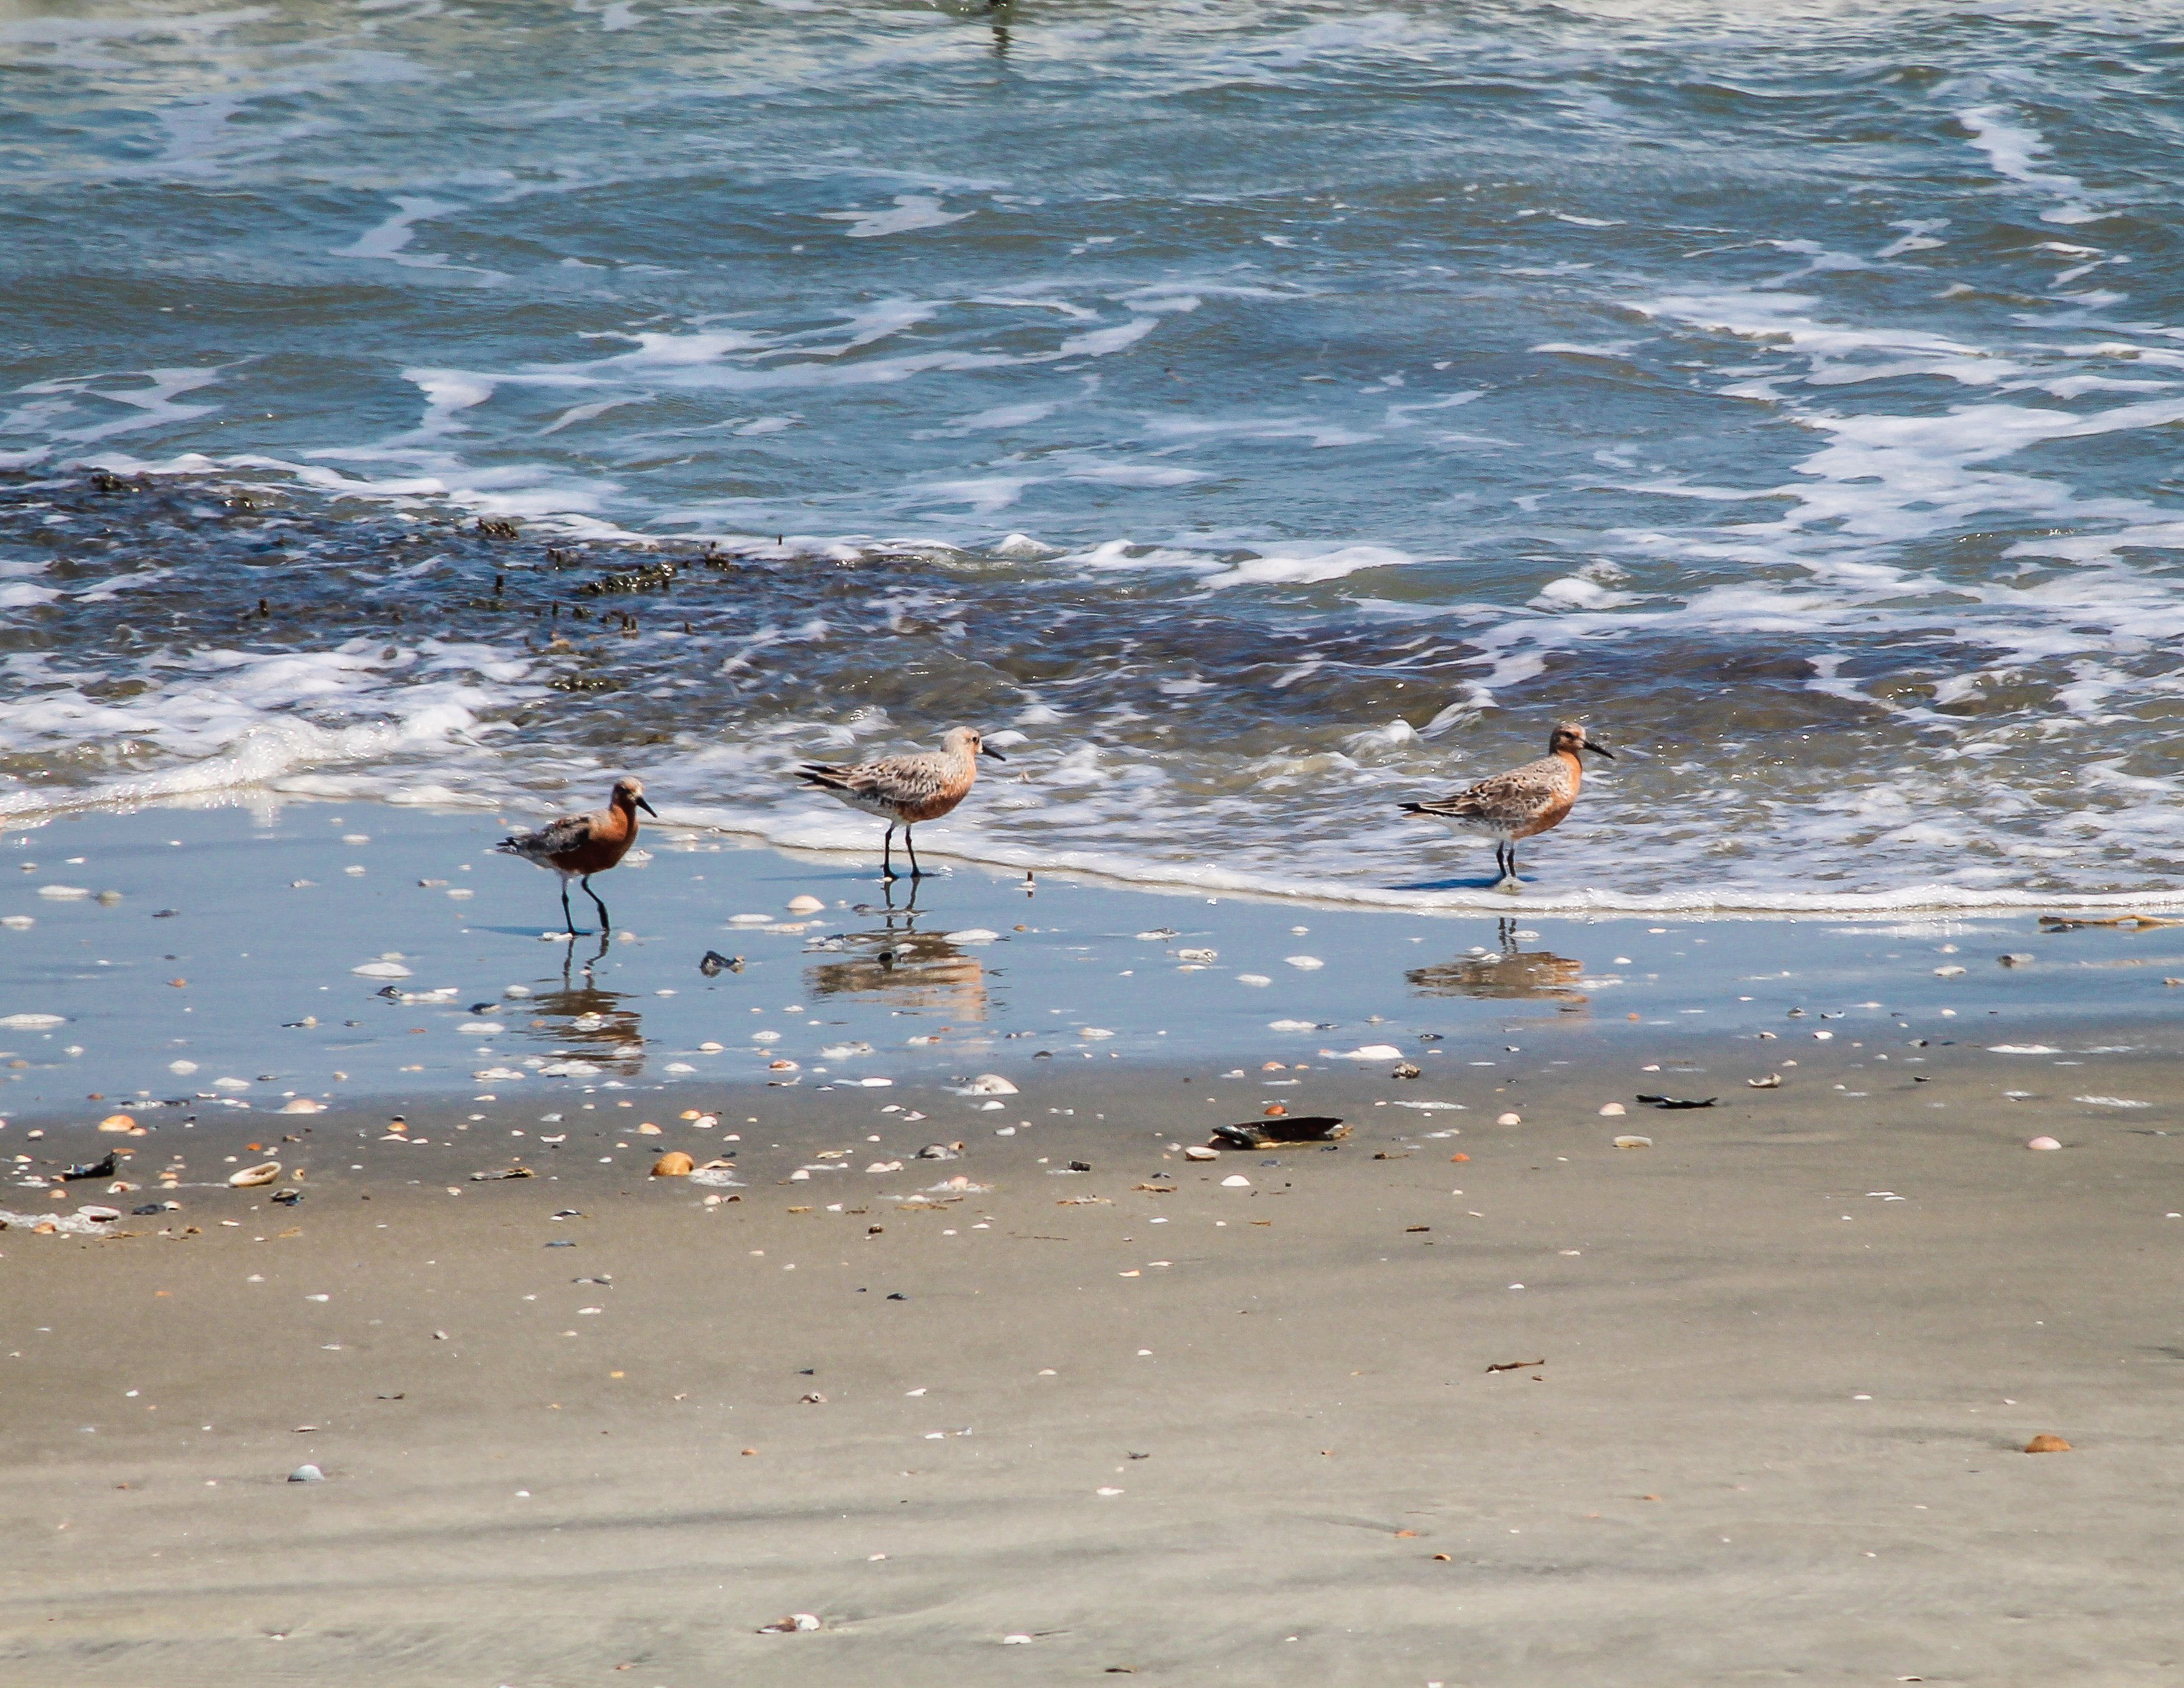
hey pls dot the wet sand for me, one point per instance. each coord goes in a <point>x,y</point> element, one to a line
<point>1770,1426</point>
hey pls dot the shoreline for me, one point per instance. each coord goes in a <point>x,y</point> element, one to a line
<point>1779,1361</point>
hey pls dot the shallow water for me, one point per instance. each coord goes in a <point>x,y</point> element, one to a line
<point>338,952</point>
<point>1270,412</point>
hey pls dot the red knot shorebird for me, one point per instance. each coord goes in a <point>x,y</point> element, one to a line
<point>903,790</point>
<point>1521,803</point>
<point>578,846</point>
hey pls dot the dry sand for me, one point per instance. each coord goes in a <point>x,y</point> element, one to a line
<point>1770,1431</point>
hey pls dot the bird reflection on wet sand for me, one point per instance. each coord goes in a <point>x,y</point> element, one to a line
<point>584,1020</point>
<point>1505,974</point>
<point>899,964</point>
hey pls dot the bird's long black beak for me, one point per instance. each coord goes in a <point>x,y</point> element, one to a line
<point>1600,750</point>
<point>988,750</point>
<point>647,808</point>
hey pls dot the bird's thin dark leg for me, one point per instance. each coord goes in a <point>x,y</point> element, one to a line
<point>916,872</point>
<point>568,920</point>
<point>606,921</point>
<point>887,854</point>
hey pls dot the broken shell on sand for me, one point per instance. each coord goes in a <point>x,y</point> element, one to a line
<point>988,1085</point>
<point>2043,1143</point>
<point>674,1164</point>
<point>120,1122</point>
<point>2045,1443</point>
<point>251,1177</point>
<point>1510,1119</point>
<point>1198,1151</point>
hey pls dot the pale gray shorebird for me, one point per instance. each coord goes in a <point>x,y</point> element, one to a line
<point>903,790</point>
<point>578,846</point>
<point>1522,802</point>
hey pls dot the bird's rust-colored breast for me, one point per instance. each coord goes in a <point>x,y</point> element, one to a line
<point>603,841</point>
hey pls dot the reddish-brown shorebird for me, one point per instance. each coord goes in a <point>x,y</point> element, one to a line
<point>903,790</point>
<point>578,846</point>
<point>1520,804</point>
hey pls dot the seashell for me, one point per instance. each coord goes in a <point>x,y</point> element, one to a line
<point>1772,1081</point>
<point>2043,1143</point>
<point>781,1067</point>
<point>117,1122</point>
<point>2044,1443</point>
<point>674,1164</point>
<point>1951,972</point>
<point>1235,1181</point>
<point>1199,1151</point>
<point>1611,1110</point>
<point>96,1212</point>
<point>2019,959</point>
<point>306,1474</point>
<point>250,1177</point>
<point>1200,956</point>
<point>305,1105</point>
<point>1304,963</point>
<point>971,934</point>
<point>988,1085</point>
<point>648,1130</point>
<point>1510,1119</point>
<point>806,904</point>
<point>29,1023</point>
<point>795,1620</point>
<point>381,970</point>
<point>1634,1143</point>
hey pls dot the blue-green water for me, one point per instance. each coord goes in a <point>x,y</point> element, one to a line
<point>1271,412</point>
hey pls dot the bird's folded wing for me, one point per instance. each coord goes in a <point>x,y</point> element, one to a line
<point>556,836</point>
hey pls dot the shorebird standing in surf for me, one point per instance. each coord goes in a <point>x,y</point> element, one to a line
<point>1520,804</point>
<point>578,846</point>
<point>903,790</point>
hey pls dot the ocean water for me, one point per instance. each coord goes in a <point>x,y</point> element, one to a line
<point>1252,415</point>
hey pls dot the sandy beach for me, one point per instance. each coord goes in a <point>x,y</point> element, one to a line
<point>1446,1401</point>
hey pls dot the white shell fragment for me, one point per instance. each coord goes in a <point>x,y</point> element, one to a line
<point>381,970</point>
<point>1634,1143</point>
<point>1306,963</point>
<point>1200,1151</point>
<point>266,1171</point>
<point>31,1022</point>
<point>302,1105</point>
<point>2043,1143</point>
<point>1235,1181</point>
<point>806,904</point>
<point>1509,1119</point>
<point>988,1085</point>
<point>1611,1110</point>
<point>306,1474</point>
